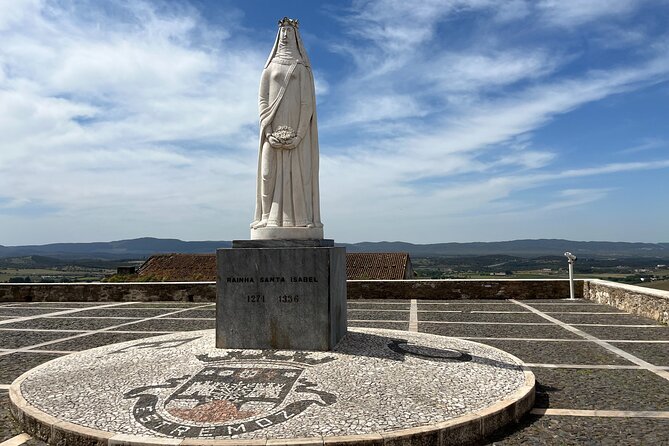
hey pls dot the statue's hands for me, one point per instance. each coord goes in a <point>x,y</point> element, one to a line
<point>275,143</point>
<point>293,143</point>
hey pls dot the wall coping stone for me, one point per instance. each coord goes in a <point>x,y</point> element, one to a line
<point>635,288</point>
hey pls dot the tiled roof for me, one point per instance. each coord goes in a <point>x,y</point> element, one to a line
<point>180,268</point>
<point>202,267</point>
<point>376,265</point>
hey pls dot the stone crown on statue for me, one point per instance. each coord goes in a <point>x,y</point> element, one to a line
<point>289,22</point>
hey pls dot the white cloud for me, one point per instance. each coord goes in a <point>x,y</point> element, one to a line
<point>576,197</point>
<point>470,72</point>
<point>121,116</point>
<point>577,12</point>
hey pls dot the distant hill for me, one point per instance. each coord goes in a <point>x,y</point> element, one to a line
<point>522,248</point>
<point>122,249</point>
<point>142,248</point>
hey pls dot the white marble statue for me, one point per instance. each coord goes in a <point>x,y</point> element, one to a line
<point>287,198</point>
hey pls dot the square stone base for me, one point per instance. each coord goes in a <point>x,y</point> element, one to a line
<point>285,298</point>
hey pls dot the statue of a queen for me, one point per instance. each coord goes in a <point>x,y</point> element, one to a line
<point>287,197</point>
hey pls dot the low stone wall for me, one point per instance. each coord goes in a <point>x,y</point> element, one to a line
<point>637,300</point>
<point>356,289</point>
<point>109,292</point>
<point>463,289</point>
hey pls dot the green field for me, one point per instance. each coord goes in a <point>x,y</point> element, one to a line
<point>658,285</point>
<point>69,274</point>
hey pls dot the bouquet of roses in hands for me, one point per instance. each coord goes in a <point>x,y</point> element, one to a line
<point>285,135</point>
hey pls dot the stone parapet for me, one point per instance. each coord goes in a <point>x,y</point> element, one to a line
<point>356,289</point>
<point>109,292</point>
<point>462,289</point>
<point>646,302</point>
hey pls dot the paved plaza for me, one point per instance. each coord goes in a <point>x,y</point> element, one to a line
<point>602,374</point>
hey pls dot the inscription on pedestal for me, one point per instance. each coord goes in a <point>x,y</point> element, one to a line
<point>281,298</point>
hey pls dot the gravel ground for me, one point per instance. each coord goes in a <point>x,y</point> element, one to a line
<point>378,315</point>
<point>482,317</point>
<point>656,354</point>
<point>601,389</point>
<point>580,431</point>
<point>498,331</point>
<point>538,352</point>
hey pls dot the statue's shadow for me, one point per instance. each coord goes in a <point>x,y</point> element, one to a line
<point>399,348</point>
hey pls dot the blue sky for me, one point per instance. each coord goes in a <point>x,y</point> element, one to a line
<point>462,120</point>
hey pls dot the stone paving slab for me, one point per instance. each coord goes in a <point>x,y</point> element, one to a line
<point>171,325</point>
<point>363,305</point>
<point>386,325</point>
<point>618,431</point>
<point>656,354</point>
<point>378,315</point>
<point>126,312</point>
<point>96,340</point>
<point>200,313</point>
<point>162,304</point>
<point>14,364</point>
<point>540,352</point>
<point>601,389</point>
<point>579,431</point>
<point>20,339</point>
<point>580,308</point>
<point>631,333</point>
<point>50,309</point>
<point>8,427</point>
<point>68,305</point>
<point>74,323</point>
<point>497,331</point>
<point>613,319</point>
<point>482,317</point>
<point>565,301</point>
<point>472,306</point>
<point>180,386</point>
<point>379,301</point>
<point>23,312</point>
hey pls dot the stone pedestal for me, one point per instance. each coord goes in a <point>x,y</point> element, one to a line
<point>281,294</point>
<point>287,233</point>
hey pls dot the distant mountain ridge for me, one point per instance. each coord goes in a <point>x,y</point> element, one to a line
<point>523,248</point>
<point>144,247</point>
<point>121,249</point>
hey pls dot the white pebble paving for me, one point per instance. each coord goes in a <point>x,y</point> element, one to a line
<point>377,389</point>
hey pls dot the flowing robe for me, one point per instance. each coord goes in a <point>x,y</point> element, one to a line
<point>287,183</point>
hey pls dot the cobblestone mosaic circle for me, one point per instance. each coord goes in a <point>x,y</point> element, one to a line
<point>378,383</point>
